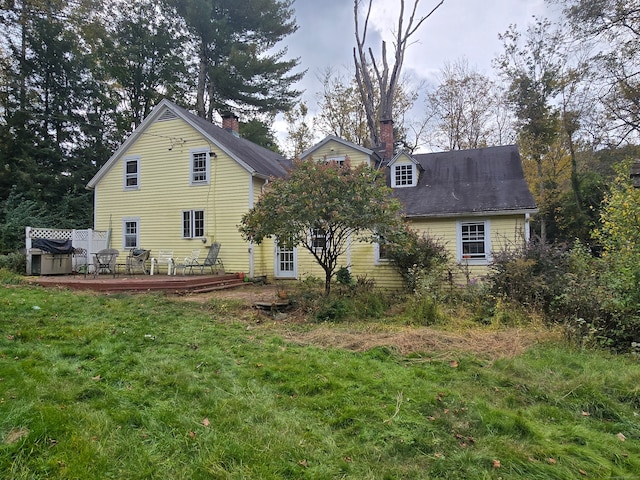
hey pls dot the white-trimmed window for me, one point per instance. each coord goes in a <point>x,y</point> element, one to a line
<point>132,173</point>
<point>200,167</point>
<point>339,159</point>
<point>193,224</point>
<point>318,238</point>
<point>404,175</point>
<point>381,252</point>
<point>130,233</point>
<point>474,242</point>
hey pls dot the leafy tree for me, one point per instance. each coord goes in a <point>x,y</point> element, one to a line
<point>466,110</point>
<point>238,64</point>
<point>299,131</point>
<point>532,68</point>
<point>346,203</point>
<point>613,26</point>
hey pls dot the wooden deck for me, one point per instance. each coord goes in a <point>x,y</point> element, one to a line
<point>142,283</point>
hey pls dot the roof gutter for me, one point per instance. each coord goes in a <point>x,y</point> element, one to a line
<point>484,213</point>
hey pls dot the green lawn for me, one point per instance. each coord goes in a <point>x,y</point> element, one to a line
<point>149,387</point>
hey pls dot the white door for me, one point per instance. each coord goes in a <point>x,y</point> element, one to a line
<point>286,262</point>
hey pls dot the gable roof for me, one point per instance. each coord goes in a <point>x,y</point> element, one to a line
<point>257,160</point>
<point>333,138</point>
<point>468,182</point>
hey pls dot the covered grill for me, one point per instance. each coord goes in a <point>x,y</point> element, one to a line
<point>51,257</point>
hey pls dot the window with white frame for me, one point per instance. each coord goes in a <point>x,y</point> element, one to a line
<point>318,238</point>
<point>339,159</point>
<point>404,175</point>
<point>474,246</point>
<point>381,251</point>
<point>193,224</point>
<point>199,167</point>
<point>130,233</point>
<point>132,173</point>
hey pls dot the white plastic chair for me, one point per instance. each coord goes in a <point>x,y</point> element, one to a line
<point>164,257</point>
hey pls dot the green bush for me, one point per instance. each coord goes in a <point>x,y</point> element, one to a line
<point>14,262</point>
<point>414,256</point>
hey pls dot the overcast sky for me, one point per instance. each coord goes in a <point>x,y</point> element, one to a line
<point>458,29</point>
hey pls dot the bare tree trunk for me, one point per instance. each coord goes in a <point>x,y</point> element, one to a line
<point>386,79</point>
<point>202,81</point>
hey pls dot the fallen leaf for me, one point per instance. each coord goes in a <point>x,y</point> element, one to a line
<point>347,459</point>
<point>304,463</point>
<point>192,434</point>
<point>437,455</point>
<point>582,472</point>
<point>206,422</point>
<point>453,364</point>
<point>496,389</point>
<point>259,365</point>
<point>496,464</point>
<point>586,414</point>
<point>97,378</point>
<point>431,419</point>
<point>552,461</point>
<point>621,437</point>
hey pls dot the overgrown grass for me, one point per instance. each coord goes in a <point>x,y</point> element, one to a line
<point>118,386</point>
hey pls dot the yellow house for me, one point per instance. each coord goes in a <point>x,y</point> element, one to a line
<point>474,201</point>
<point>180,183</point>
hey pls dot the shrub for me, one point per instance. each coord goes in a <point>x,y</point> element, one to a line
<point>533,276</point>
<point>415,256</point>
<point>14,262</point>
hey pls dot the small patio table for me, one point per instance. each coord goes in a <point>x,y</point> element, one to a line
<point>105,260</point>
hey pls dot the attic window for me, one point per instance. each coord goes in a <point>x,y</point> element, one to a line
<point>404,175</point>
<point>339,159</point>
<point>132,173</point>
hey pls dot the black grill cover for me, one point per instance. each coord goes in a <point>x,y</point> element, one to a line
<point>53,246</point>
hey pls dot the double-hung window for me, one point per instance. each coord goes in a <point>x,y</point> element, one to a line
<point>199,167</point>
<point>404,175</point>
<point>132,173</point>
<point>381,251</point>
<point>474,246</point>
<point>193,224</point>
<point>318,238</point>
<point>130,233</point>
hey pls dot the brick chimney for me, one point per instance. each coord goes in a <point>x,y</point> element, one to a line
<point>230,123</point>
<point>386,137</point>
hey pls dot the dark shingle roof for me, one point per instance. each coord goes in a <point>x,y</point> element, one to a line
<point>468,182</point>
<point>262,160</point>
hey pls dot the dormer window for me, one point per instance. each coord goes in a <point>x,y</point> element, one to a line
<point>404,175</point>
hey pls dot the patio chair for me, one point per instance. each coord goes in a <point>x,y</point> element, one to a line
<point>213,261</point>
<point>137,259</point>
<point>164,257</point>
<point>190,262</point>
<point>105,260</point>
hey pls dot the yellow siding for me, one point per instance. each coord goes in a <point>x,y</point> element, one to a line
<point>165,191</point>
<point>333,149</point>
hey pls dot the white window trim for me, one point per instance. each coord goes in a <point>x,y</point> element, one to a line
<point>126,220</point>
<point>377,259</point>
<point>339,159</point>
<point>192,153</point>
<point>125,175</point>
<point>487,242</point>
<point>414,176</point>
<point>192,224</point>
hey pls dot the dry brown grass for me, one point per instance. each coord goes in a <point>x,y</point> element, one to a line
<point>484,342</point>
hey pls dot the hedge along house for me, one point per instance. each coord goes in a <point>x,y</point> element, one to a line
<point>474,201</point>
<point>180,183</point>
